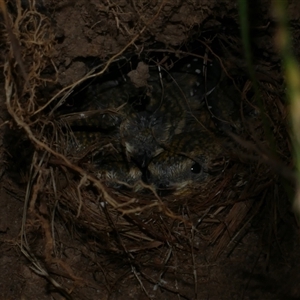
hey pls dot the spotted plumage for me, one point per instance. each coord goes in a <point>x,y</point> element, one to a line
<point>104,158</point>
<point>143,133</point>
<point>119,173</point>
<point>186,159</point>
<point>153,128</point>
<point>173,97</point>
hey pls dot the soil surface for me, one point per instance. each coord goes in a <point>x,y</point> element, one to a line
<point>260,261</point>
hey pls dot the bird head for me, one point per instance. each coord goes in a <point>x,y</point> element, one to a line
<point>185,160</point>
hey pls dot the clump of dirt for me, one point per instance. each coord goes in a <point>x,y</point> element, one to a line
<point>231,237</point>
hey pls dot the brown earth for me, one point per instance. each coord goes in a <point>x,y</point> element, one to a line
<point>260,259</point>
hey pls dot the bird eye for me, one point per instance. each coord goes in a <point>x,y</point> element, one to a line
<point>196,168</point>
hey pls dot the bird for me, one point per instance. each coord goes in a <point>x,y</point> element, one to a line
<point>173,96</point>
<point>127,133</point>
<point>187,159</point>
<point>103,157</point>
<point>143,132</point>
<point>118,173</point>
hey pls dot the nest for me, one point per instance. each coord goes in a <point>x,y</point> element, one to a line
<point>162,240</point>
